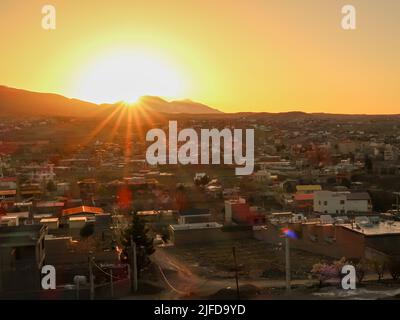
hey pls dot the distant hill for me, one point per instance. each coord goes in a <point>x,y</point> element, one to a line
<point>17,102</point>
<point>179,106</point>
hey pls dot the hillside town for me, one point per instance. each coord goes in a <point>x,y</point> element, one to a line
<point>71,187</point>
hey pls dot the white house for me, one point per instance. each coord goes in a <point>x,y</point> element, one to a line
<point>329,202</point>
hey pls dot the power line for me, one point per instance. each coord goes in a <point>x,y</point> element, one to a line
<point>108,274</point>
<point>169,284</point>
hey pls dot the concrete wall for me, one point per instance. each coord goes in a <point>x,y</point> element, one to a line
<point>214,235</point>
<point>389,244</point>
<point>315,238</point>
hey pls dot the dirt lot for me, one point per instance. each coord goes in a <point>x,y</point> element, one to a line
<point>255,259</point>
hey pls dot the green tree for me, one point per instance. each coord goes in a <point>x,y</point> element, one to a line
<point>138,232</point>
<point>87,230</point>
<point>51,187</point>
<point>368,164</point>
<point>104,192</point>
<point>202,181</point>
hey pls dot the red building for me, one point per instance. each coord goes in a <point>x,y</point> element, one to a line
<point>240,212</point>
<point>304,202</point>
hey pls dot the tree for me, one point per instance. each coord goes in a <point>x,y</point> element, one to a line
<point>138,232</point>
<point>361,269</point>
<point>346,182</point>
<point>379,266</point>
<point>381,200</point>
<point>394,268</point>
<point>51,187</point>
<point>125,197</point>
<point>87,230</point>
<point>204,180</point>
<point>104,192</point>
<point>181,199</point>
<point>368,164</point>
<point>290,187</point>
<point>324,272</point>
<point>328,272</point>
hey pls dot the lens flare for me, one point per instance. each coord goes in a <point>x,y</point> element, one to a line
<point>289,233</point>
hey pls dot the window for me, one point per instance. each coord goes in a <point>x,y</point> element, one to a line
<point>325,203</point>
<point>341,201</point>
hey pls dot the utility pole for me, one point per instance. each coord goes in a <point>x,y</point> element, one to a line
<point>1,274</point>
<point>287,262</point>
<point>111,283</point>
<point>77,290</point>
<point>129,275</point>
<point>236,273</point>
<point>134,266</point>
<point>397,194</point>
<point>91,277</point>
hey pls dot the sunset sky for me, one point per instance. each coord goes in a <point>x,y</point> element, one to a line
<point>235,55</point>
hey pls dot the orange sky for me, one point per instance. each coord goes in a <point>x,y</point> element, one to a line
<point>236,55</point>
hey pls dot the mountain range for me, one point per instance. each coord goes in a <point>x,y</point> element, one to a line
<point>18,102</point>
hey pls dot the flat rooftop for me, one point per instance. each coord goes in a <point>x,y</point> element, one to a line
<point>26,229</point>
<point>17,236</point>
<point>49,220</point>
<point>196,226</point>
<point>195,212</point>
<point>382,228</point>
<point>77,219</point>
<point>156,212</point>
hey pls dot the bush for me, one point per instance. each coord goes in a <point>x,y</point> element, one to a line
<point>328,272</point>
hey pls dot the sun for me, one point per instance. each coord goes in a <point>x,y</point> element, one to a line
<point>126,76</point>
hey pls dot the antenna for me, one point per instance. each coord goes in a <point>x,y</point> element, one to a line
<point>397,194</point>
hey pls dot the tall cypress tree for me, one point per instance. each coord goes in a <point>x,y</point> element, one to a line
<point>138,231</point>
